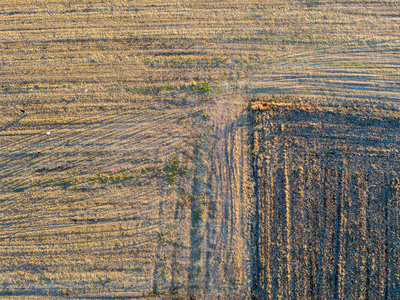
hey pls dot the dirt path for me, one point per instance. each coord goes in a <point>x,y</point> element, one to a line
<point>227,266</point>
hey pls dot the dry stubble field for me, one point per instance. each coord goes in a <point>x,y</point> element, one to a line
<point>145,187</point>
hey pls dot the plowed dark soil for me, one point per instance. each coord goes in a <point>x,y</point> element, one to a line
<point>327,201</point>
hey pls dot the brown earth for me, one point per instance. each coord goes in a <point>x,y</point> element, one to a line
<point>327,201</point>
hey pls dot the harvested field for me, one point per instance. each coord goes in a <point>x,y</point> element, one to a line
<point>145,188</point>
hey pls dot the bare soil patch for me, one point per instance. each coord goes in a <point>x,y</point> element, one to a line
<point>327,191</point>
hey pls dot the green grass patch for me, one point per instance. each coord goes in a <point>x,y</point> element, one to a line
<point>202,87</point>
<point>101,178</point>
<point>173,170</point>
<point>154,89</point>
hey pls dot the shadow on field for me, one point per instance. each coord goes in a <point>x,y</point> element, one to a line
<point>15,122</point>
<point>72,100</point>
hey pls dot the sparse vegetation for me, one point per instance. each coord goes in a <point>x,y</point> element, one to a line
<point>174,169</point>
<point>201,86</point>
